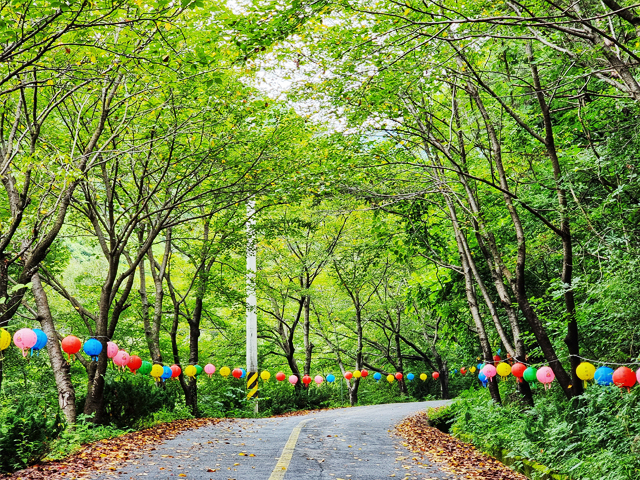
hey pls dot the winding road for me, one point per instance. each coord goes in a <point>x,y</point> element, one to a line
<point>348,443</point>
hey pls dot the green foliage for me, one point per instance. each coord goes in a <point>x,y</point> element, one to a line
<point>595,437</point>
<point>280,399</point>
<point>26,432</point>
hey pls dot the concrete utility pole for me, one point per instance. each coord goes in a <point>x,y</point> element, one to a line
<point>252,305</point>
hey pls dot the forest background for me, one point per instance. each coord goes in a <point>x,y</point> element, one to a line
<point>434,182</point>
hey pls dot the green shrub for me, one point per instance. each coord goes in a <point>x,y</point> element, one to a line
<point>283,398</point>
<point>26,432</point>
<point>597,437</point>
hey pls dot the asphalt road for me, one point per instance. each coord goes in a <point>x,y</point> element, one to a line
<point>350,444</point>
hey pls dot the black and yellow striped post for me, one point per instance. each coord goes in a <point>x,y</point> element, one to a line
<point>252,385</point>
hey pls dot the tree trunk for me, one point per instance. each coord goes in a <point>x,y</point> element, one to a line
<point>308,346</point>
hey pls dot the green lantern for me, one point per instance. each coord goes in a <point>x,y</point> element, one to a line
<point>199,370</point>
<point>145,368</point>
<point>530,374</point>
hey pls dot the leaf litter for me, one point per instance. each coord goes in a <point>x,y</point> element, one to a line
<point>106,456</point>
<point>451,454</point>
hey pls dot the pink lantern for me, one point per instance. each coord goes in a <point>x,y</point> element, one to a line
<point>209,369</point>
<point>545,376</point>
<point>638,375</point>
<point>293,379</point>
<point>25,338</point>
<point>121,359</point>
<point>318,379</point>
<point>112,349</point>
<point>489,371</point>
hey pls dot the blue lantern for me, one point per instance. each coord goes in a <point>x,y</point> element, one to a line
<point>331,378</point>
<point>483,378</point>
<point>603,376</point>
<point>455,371</point>
<point>92,348</point>
<point>244,373</point>
<point>499,351</point>
<point>377,376</point>
<point>166,373</point>
<point>480,366</point>
<point>410,376</point>
<point>40,343</point>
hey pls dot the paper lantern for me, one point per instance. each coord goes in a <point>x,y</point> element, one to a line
<point>473,369</point>
<point>112,349</point>
<point>156,370</point>
<point>190,371</point>
<point>331,378</point>
<point>244,373</point>
<point>70,345</point>
<point>585,371</point>
<point>135,362</point>
<point>463,371</point>
<point>489,371</point>
<point>545,376</point>
<point>357,374</point>
<point>364,373</point>
<point>530,374</point>
<point>518,371</point>
<point>483,379</point>
<point>5,339</point>
<point>398,376</point>
<point>209,369</point>
<point>390,378</point>
<point>92,348</point>
<point>199,370</point>
<point>435,375</point>
<point>175,371</point>
<point>348,375</point>
<point>145,368</point>
<point>410,376</point>
<point>638,375</point>
<point>318,379</point>
<point>603,376</point>
<point>237,373</point>
<point>624,377</point>
<point>122,358</point>
<point>225,371</point>
<point>306,379</point>
<point>265,376</point>
<point>423,376</point>
<point>24,339</point>
<point>496,358</point>
<point>41,343</point>
<point>293,379</point>
<point>280,376</point>
<point>480,366</point>
<point>166,373</point>
<point>377,376</point>
<point>503,369</point>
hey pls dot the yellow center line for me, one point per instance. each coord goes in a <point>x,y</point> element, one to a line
<point>287,452</point>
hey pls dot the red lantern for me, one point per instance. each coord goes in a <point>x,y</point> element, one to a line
<point>398,376</point>
<point>306,379</point>
<point>279,376</point>
<point>496,358</point>
<point>435,375</point>
<point>175,371</point>
<point>518,371</point>
<point>364,373</point>
<point>348,375</point>
<point>463,371</point>
<point>135,362</point>
<point>71,345</point>
<point>624,377</point>
<point>237,373</point>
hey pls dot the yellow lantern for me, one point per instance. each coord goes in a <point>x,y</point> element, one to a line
<point>585,371</point>
<point>265,376</point>
<point>225,372</point>
<point>157,371</point>
<point>190,371</point>
<point>472,369</point>
<point>357,374</point>
<point>390,378</point>
<point>504,369</point>
<point>5,339</point>
<point>423,376</point>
